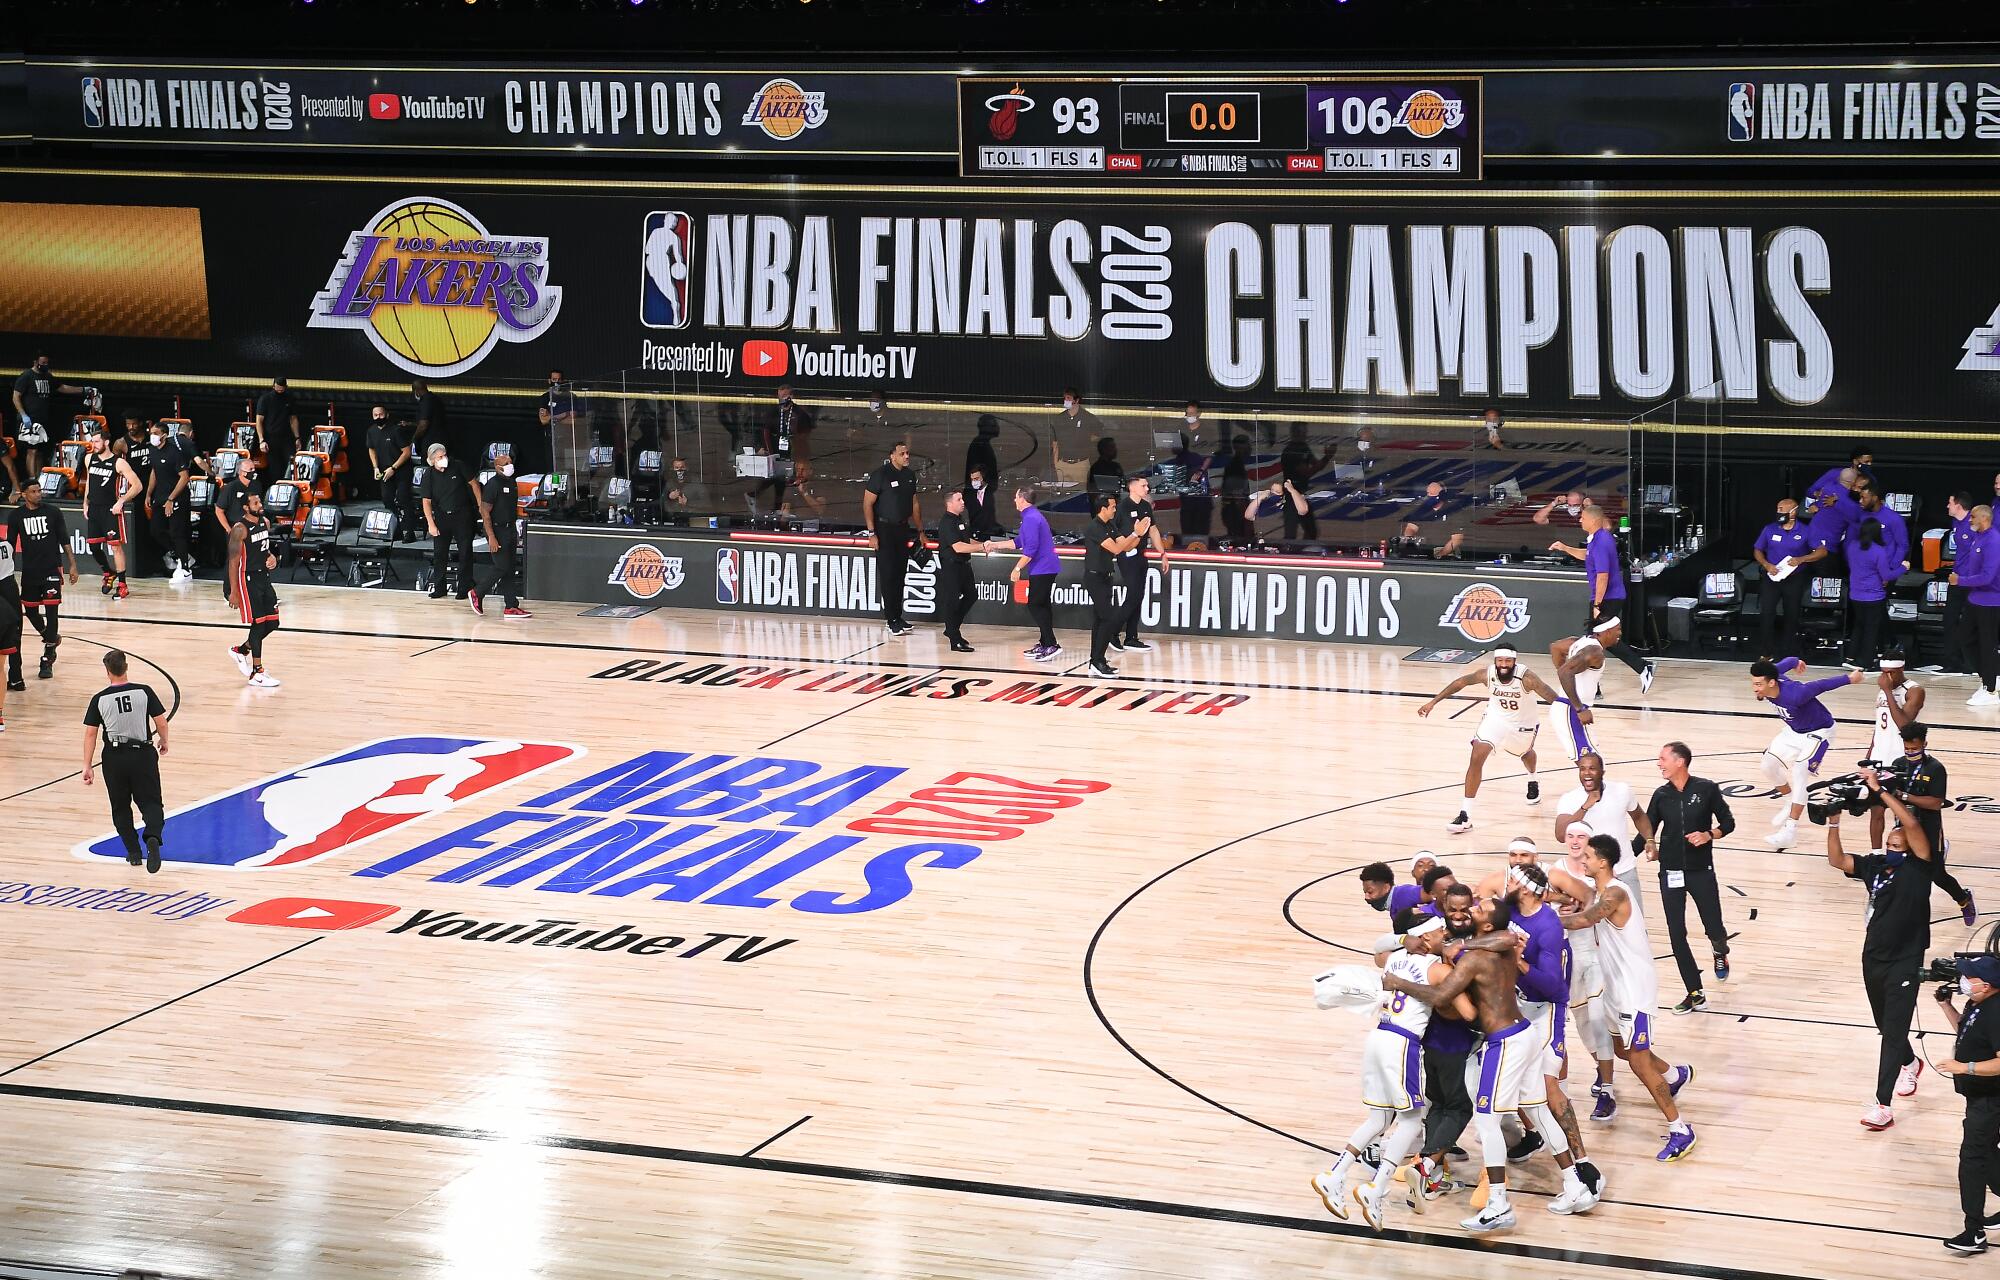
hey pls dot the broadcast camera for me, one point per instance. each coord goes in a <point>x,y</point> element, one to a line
<point>1850,795</point>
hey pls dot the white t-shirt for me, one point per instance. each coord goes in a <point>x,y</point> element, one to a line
<point>1610,816</point>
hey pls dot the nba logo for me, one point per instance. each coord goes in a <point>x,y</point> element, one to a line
<point>1742,107</point>
<point>93,102</point>
<point>668,245</point>
<point>728,563</point>
<point>340,801</point>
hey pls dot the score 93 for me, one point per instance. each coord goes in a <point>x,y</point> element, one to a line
<point>1075,115</point>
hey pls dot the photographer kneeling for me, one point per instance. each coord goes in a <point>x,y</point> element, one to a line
<point>1898,880</point>
<point>1975,1060</point>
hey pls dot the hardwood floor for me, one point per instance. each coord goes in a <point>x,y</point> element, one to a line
<point>1050,1017</point>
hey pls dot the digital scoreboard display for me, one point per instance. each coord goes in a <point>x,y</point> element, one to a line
<point>1294,127</point>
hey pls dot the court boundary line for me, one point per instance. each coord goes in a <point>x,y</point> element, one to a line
<point>173,685</point>
<point>1272,686</point>
<point>155,1009</point>
<point>918,1181</point>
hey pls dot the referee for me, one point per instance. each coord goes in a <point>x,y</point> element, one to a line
<point>1689,815</point>
<point>131,716</point>
<point>1975,1060</point>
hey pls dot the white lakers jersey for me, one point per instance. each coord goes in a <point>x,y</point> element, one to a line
<point>1588,679</point>
<point>1507,701</point>
<point>1626,960</point>
<point>1407,1012</point>
<point>1887,744</point>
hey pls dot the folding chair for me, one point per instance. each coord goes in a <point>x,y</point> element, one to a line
<point>317,546</point>
<point>375,549</point>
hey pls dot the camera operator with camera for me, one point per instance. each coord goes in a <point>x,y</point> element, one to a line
<point>1917,778</point>
<point>1975,1062</point>
<point>1898,929</point>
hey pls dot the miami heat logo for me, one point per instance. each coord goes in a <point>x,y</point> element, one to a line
<point>1483,612</point>
<point>1007,108</point>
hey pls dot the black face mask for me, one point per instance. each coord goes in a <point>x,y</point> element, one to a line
<point>1381,903</point>
<point>1786,517</point>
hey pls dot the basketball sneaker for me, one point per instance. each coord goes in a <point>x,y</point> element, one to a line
<point>1534,792</point>
<point>1118,644</point>
<point>105,589</point>
<point>1490,1219</point>
<point>1103,671</point>
<point>1681,1079</point>
<point>1967,911</point>
<point>1680,1141</point>
<point>16,684</point>
<point>1967,1242</point>
<point>1139,646</point>
<point>1906,1079</point>
<point>242,661</point>
<point>1530,1143</point>
<point>1646,679</point>
<point>1692,1001</point>
<point>1606,1109</point>
<point>1331,1193</point>
<point>1784,837</point>
<point>1576,1199</point>
<point>265,680</point>
<point>1370,1201</point>
<point>47,671</point>
<point>517,614</point>
<point>1462,823</point>
<point>123,590</point>
<point>477,601</point>
<point>1878,1117</point>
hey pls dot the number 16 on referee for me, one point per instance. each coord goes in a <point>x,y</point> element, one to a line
<point>131,717</point>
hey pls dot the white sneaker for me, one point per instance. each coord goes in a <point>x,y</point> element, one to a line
<point>181,575</point>
<point>1331,1193</point>
<point>1462,823</point>
<point>1646,679</point>
<point>1576,1199</point>
<point>1906,1079</point>
<point>1370,1201</point>
<point>242,661</point>
<point>265,680</point>
<point>1877,1117</point>
<point>1784,837</point>
<point>1983,698</point>
<point>1489,1219</point>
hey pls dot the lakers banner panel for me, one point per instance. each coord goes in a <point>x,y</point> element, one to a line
<point>1803,309</point>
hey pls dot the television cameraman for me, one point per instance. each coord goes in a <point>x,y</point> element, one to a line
<point>1917,778</point>
<point>1975,1061</point>
<point>1898,931</point>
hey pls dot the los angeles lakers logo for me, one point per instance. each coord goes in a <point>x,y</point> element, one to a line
<point>645,573</point>
<point>1483,612</point>
<point>784,111</point>
<point>1427,113</point>
<point>434,290</point>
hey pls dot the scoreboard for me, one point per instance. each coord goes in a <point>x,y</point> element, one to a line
<point>1292,127</point>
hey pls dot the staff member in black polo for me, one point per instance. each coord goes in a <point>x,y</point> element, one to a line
<point>430,428</point>
<point>166,499</point>
<point>1134,507</point>
<point>1103,545</point>
<point>1927,790</point>
<point>277,428</point>
<point>1975,1064</point>
<point>446,493</point>
<point>229,499</point>
<point>956,593</point>
<point>1892,949</point>
<point>132,719</point>
<point>500,513</point>
<point>1689,815</point>
<point>890,510</point>
<point>389,456</point>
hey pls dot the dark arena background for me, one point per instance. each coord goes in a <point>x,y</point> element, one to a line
<point>948,878</point>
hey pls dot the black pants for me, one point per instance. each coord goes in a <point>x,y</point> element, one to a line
<point>1792,592</point>
<point>1892,987</point>
<point>506,568</point>
<point>1107,615</point>
<point>1297,521</point>
<point>892,562</point>
<point>1197,516</point>
<point>1614,607</point>
<point>1960,640</point>
<point>1979,1158</point>
<point>1041,608</point>
<point>1701,886</point>
<point>1944,879</point>
<point>173,534</point>
<point>132,777</point>
<point>1236,519</point>
<point>452,529</point>
<point>1986,654</point>
<point>956,594</point>
<point>1132,573</point>
<point>1871,617</point>
<point>400,498</point>
<point>1451,1106</point>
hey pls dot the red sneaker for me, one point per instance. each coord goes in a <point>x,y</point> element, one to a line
<point>517,615</point>
<point>123,590</point>
<point>477,601</point>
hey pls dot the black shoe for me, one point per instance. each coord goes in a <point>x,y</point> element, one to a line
<point>1530,1143</point>
<point>16,683</point>
<point>1534,793</point>
<point>1993,1220</point>
<point>1102,670</point>
<point>1136,645</point>
<point>437,595</point>
<point>133,856</point>
<point>960,646</point>
<point>152,855</point>
<point>47,671</point>
<point>1694,1000</point>
<point>1118,644</point>
<point>1967,1242</point>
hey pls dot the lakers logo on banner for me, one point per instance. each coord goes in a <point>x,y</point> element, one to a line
<point>434,291</point>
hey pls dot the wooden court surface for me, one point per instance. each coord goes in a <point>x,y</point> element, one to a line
<point>1090,1049</point>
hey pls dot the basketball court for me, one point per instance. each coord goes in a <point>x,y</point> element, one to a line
<point>703,944</point>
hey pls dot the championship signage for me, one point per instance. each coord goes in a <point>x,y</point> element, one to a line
<point>1777,309</point>
<point>1290,598</point>
<point>1267,129</point>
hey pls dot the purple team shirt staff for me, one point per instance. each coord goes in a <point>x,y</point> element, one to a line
<point>1835,512</point>
<point>1600,556</point>
<point>1037,544</point>
<point>1895,530</point>
<point>1409,895</point>
<point>1798,701</point>
<point>1779,543</point>
<point>1872,571</point>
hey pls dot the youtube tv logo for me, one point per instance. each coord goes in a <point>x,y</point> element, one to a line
<point>766,358</point>
<point>384,106</point>
<point>326,914</point>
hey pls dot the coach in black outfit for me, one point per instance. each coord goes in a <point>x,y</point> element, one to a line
<point>131,717</point>
<point>1102,548</point>
<point>889,508</point>
<point>1135,509</point>
<point>1975,1062</point>
<point>500,513</point>
<point>448,502</point>
<point>956,593</point>
<point>1689,815</point>
<point>389,454</point>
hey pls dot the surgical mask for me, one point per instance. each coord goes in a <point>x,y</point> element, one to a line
<point>1193,418</point>
<point>875,406</point>
<point>1364,445</point>
<point>441,462</point>
<point>1068,405</point>
<point>1572,509</point>
<point>1381,903</point>
<point>155,438</point>
<point>508,471</point>
<point>1965,986</point>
